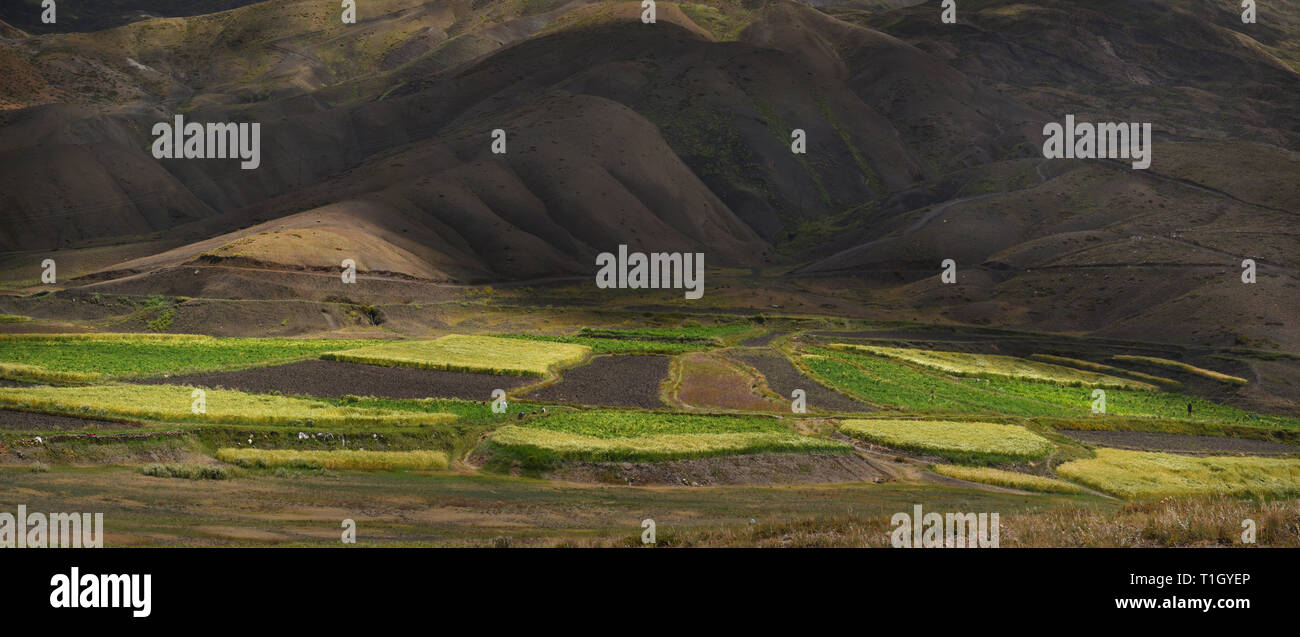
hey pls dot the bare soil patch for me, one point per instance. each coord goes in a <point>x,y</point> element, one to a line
<point>783,378</point>
<point>621,381</point>
<point>708,380</point>
<point>1178,443</point>
<point>32,421</point>
<point>762,340</point>
<point>333,379</point>
<point>765,468</point>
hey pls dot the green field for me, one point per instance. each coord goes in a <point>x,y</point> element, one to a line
<point>465,353</point>
<point>173,403</point>
<point>87,357</point>
<point>338,460</point>
<point>977,442</point>
<point>891,383</point>
<point>711,334</point>
<point>643,436</point>
<point>1145,475</point>
<point>618,345</point>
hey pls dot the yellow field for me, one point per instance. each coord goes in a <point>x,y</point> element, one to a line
<point>1147,475</point>
<point>560,444</point>
<point>109,337</point>
<point>341,459</point>
<point>173,403</point>
<point>1182,367</point>
<point>464,353</point>
<point>1167,383</point>
<point>963,364</point>
<point>1012,479</point>
<point>37,374</point>
<point>977,440</point>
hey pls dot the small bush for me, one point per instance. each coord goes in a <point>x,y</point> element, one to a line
<point>187,471</point>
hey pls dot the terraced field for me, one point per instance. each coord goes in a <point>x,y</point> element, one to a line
<point>1165,383</point>
<point>642,437</point>
<point>303,405</point>
<point>783,378</point>
<point>81,358</point>
<point>977,442</point>
<point>337,379</point>
<point>712,381</point>
<point>605,345</point>
<point>464,353</point>
<point>1183,367</point>
<point>618,381</point>
<point>997,366</point>
<point>1146,475</point>
<point>176,404</point>
<point>891,383</point>
<point>711,334</point>
<point>1010,479</point>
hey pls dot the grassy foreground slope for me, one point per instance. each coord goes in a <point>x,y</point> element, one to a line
<point>1144,475</point>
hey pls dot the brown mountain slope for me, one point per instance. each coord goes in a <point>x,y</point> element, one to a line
<point>726,109</point>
